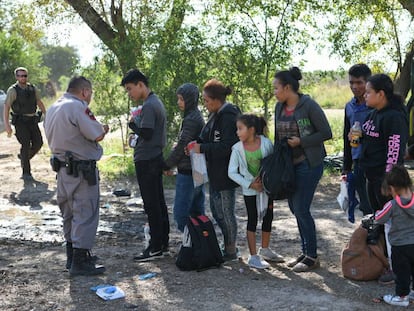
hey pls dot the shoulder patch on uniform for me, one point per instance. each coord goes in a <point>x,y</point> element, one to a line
<point>90,114</point>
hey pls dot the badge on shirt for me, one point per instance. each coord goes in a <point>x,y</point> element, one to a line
<point>90,114</point>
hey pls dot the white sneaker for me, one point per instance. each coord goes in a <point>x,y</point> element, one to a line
<point>411,295</point>
<point>270,255</point>
<point>255,261</point>
<point>401,301</point>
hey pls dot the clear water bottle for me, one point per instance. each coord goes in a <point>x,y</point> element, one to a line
<point>356,134</point>
<point>147,235</point>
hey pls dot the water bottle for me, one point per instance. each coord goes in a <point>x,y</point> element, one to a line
<point>356,134</point>
<point>147,235</point>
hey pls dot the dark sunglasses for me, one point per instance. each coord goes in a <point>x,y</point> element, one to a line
<point>21,76</point>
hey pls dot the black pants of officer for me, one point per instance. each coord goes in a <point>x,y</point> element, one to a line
<point>149,176</point>
<point>29,136</point>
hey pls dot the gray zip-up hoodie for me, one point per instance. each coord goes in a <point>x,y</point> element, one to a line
<point>401,212</point>
<point>313,126</point>
<point>191,127</point>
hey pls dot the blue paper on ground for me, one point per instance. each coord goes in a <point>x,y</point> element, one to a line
<point>147,276</point>
<point>110,292</point>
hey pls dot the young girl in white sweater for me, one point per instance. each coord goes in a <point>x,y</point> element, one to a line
<point>244,169</point>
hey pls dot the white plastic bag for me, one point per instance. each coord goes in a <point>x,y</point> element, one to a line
<point>198,166</point>
<point>342,197</point>
<point>262,204</point>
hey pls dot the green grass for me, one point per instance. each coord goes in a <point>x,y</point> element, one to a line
<point>116,163</point>
<point>335,145</point>
<point>331,95</point>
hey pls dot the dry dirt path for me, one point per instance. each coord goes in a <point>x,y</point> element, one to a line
<point>32,274</point>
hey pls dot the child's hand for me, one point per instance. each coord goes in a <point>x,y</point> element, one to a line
<point>257,185</point>
<point>168,173</point>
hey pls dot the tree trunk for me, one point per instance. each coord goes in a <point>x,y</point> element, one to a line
<point>403,82</point>
<point>408,5</point>
<point>117,39</point>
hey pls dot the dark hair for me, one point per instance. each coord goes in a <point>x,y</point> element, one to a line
<point>360,70</point>
<point>216,90</point>
<point>382,82</point>
<point>134,76</point>
<point>251,120</point>
<point>397,177</point>
<point>77,83</point>
<point>290,77</point>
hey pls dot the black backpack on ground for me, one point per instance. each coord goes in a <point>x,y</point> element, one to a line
<point>200,249</point>
<point>277,171</point>
<point>374,229</point>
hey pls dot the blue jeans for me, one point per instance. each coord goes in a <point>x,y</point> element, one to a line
<point>222,204</point>
<point>307,179</point>
<point>188,200</point>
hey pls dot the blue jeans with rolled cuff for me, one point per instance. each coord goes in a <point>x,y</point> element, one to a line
<point>188,200</point>
<point>307,179</point>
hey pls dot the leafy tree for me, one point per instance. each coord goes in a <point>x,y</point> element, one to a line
<point>109,100</point>
<point>62,61</point>
<point>19,44</point>
<point>133,38</point>
<point>250,41</point>
<point>374,32</point>
<point>15,52</point>
<point>151,39</point>
<point>259,38</point>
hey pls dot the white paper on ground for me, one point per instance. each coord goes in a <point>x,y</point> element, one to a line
<point>110,292</point>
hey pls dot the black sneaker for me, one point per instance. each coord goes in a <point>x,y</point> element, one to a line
<point>165,251</point>
<point>148,255</point>
<point>230,257</point>
<point>27,177</point>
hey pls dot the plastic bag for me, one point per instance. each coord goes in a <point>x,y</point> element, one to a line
<point>198,166</point>
<point>342,197</point>
<point>132,140</point>
<point>262,202</point>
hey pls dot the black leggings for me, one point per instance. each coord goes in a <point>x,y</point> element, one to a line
<point>251,207</point>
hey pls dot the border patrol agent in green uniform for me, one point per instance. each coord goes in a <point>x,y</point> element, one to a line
<point>23,99</point>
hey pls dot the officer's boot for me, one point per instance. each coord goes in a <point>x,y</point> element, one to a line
<point>69,255</point>
<point>92,258</point>
<point>83,265</point>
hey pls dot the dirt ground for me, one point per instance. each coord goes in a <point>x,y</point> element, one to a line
<point>32,255</point>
